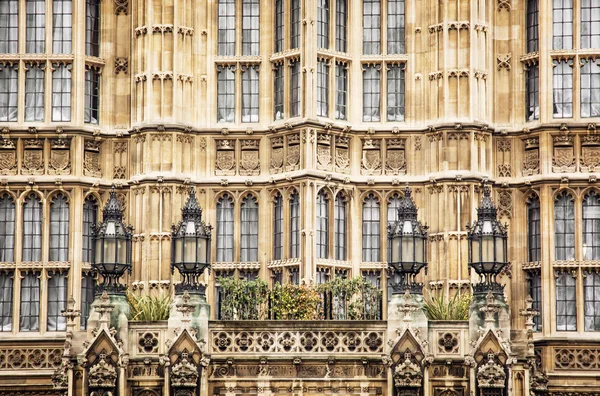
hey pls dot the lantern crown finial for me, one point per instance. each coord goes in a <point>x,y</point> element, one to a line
<point>191,210</point>
<point>487,209</point>
<point>407,208</point>
<point>112,210</point>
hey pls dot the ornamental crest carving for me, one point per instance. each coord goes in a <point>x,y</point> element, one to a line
<point>342,159</point>
<point>33,162</point>
<point>323,157</point>
<point>250,163</point>
<point>407,374</point>
<point>531,164</point>
<point>91,164</point>
<point>8,162</point>
<point>293,157</point>
<point>564,160</point>
<point>371,161</point>
<point>225,163</point>
<point>491,374</point>
<point>396,162</point>
<point>276,160</point>
<point>184,373</point>
<point>59,162</point>
<point>590,159</point>
<point>102,374</point>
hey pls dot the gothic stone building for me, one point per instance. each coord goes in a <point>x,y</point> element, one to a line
<point>298,123</point>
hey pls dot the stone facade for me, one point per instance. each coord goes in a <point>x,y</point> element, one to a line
<point>158,133</point>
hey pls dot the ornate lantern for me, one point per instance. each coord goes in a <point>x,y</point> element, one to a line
<point>487,246</point>
<point>191,246</point>
<point>112,246</point>
<point>408,240</point>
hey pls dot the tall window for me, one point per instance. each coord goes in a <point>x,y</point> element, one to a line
<point>535,291</point>
<point>279,25</point>
<point>250,100</point>
<point>9,26</point>
<point>392,216</point>
<point>395,93</point>
<point>341,91</point>
<point>339,229</point>
<point>34,93</point>
<point>92,27</point>
<point>563,89</point>
<point>278,228</point>
<point>295,225</point>
<point>57,301</point>
<point>564,227</point>
<point>59,229</point>
<point>6,294</point>
<point>590,24</point>
<point>533,90</point>
<point>295,89</point>
<point>322,225</point>
<point>250,27</point>
<point>533,230</point>
<point>8,91</point>
<point>62,29</point>
<point>278,94</point>
<point>249,218</point>
<point>591,226</point>
<point>532,37</point>
<point>7,229</point>
<point>90,217</point>
<point>30,302</point>
<point>226,44</point>
<point>295,24</point>
<point>87,298</point>
<point>323,24</point>
<point>371,27</point>
<point>92,96</point>
<point>562,24</point>
<point>370,229</point>
<point>590,88</point>
<point>341,16</point>
<point>225,229</point>
<point>36,26</point>
<point>61,92</point>
<point>566,305</point>
<point>591,292</point>
<point>226,94</point>
<point>395,27</point>
<point>322,88</point>
<point>371,93</point>
<point>32,229</point>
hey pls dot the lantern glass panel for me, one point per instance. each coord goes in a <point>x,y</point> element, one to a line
<point>408,252</point>
<point>419,250</point>
<point>110,247</point>
<point>110,228</point>
<point>475,253</point>
<point>487,227</point>
<point>202,258</point>
<point>178,249</point>
<point>122,249</point>
<point>396,248</point>
<point>98,251</point>
<point>407,227</point>
<point>500,250</point>
<point>487,250</point>
<point>190,228</point>
<point>189,252</point>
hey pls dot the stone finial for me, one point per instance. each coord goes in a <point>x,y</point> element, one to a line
<point>104,309</point>
<point>490,309</point>
<point>71,313</point>
<point>529,313</point>
<point>406,309</point>
<point>186,308</point>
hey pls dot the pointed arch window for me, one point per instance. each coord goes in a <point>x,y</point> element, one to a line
<point>90,217</point>
<point>7,228</point>
<point>534,249</point>
<point>249,219</point>
<point>564,227</point>
<point>295,225</point>
<point>322,225</point>
<point>59,229</point>
<point>225,229</point>
<point>6,300</point>
<point>591,227</point>
<point>57,301</point>
<point>32,229</point>
<point>278,228</point>
<point>30,302</point>
<point>87,298</point>
<point>339,227</point>
<point>392,215</point>
<point>370,229</point>
<point>566,305</point>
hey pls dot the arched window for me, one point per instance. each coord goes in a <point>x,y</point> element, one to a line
<point>392,216</point>
<point>566,305</point>
<point>59,229</point>
<point>591,293</point>
<point>32,228</point>
<point>249,214</point>
<point>278,228</point>
<point>564,227</point>
<point>322,225</point>
<point>339,227</point>
<point>6,300</point>
<point>87,298</point>
<point>57,301</point>
<point>225,229</point>
<point>90,217</point>
<point>591,226</point>
<point>295,225</point>
<point>7,228</point>
<point>30,302</point>
<point>534,249</point>
<point>370,229</point>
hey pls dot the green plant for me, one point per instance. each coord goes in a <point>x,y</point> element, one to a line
<point>243,299</point>
<point>352,298</point>
<point>295,302</point>
<point>456,308</point>
<point>147,307</point>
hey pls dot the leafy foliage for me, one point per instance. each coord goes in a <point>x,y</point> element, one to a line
<point>353,298</point>
<point>295,302</point>
<point>243,299</point>
<point>147,307</point>
<point>456,308</point>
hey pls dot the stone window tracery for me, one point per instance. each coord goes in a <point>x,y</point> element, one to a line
<point>30,302</point>
<point>322,225</point>
<point>36,26</point>
<point>534,248</point>
<point>564,227</point>
<point>59,228</point>
<point>57,301</point>
<point>370,229</point>
<point>6,300</point>
<point>63,26</point>
<point>591,226</point>
<point>249,229</point>
<point>339,221</point>
<point>7,228</point>
<point>34,92</point>
<point>9,31</point>
<point>92,27</point>
<point>295,225</point>
<point>566,304</point>
<point>250,27</point>
<point>532,26</point>
<point>563,89</point>
<point>278,228</point>
<point>8,92</point>
<point>591,296</point>
<point>225,229</point>
<point>32,229</point>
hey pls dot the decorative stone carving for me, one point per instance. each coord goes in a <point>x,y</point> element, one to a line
<point>506,4</point>
<point>448,342</point>
<point>184,374</point>
<point>33,157</point>
<point>60,159</point>
<point>564,154</point>
<point>225,161</point>
<point>293,153</point>
<point>8,156</point>
<point>91,158</point>
<point>276,164</point>
<point>577,359</point>
<point>121,7</point>
<point>408,373</point>
<point>121,63</point>
<point>371,157</point>
<point>590,153</point>
<point>102,374</point>
<point>395,163</point>
<point>504,170</point>
<point>491,374</point>
<point>249,161</point>
<point>503,61</point>
<point>531,163</point>
<point>342,154</point>
<point>505,203</point>
<point>148,342</point>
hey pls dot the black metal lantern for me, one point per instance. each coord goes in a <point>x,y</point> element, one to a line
<point>487,246</point>
<point>112,246</point>
<point>408,241</point>
<point>191,246</point>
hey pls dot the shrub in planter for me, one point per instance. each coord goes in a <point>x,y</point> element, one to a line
<point>456,308</point>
